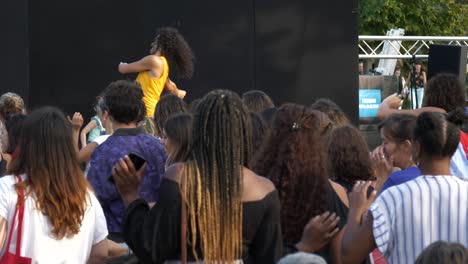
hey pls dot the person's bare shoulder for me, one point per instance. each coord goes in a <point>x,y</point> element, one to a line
<point>255,187</point>
<point>174,172</point>
<point>340,191</point>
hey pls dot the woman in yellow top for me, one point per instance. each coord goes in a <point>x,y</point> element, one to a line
<point>169,48</point>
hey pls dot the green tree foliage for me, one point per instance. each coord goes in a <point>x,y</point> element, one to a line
<point>416,17</point>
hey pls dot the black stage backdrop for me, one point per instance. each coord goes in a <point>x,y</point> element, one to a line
<point>64,53</point>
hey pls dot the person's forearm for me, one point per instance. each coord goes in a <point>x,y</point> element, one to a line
<point>349,245</point>
<point>83,140</point>
<point>76,138</point>
<point>128,198</point>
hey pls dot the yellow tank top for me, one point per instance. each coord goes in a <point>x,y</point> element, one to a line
<point>152,87</point>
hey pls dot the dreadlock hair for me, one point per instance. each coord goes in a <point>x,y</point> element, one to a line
<point>437,136</point>
<point>221,146</point>
<point>173,46</point>
<point>348,157</point>
<point>293,159</point>
<point>167,106</point>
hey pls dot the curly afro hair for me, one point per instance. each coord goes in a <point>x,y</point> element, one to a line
<point>173,46</point>
<point>124,101</point>
<point>293,159</point>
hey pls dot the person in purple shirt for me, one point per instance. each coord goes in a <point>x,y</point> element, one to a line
<point>125,108</point>
<point>396,151</point>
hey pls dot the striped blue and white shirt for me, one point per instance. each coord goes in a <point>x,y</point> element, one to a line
<point>411,216</point>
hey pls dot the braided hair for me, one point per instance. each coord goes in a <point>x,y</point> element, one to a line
<point>221,147</point>
<point>173,46</point>
<point>437,136</point>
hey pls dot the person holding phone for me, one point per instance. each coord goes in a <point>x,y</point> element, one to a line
<point>123,104</point>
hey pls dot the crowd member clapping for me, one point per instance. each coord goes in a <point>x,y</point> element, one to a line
<point>123,103</point>
<point>231,214</point>
<point>396,151</point>
<point>443,93</point>
<point>407,218</point>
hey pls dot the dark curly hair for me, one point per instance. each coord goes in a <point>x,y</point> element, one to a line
<point>293,158</point>
<point>173,46</point>
<point>11,103</point>
<point>14,126</point>
<point>348,157</point>
<point>124,101</point>
<point>332,110</point>
<point>169,105</point>
<point>257,101</point>
<point>445,91</point>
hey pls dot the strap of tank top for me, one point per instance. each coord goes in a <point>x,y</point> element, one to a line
<point>19,234</point>
<point>19,211</point>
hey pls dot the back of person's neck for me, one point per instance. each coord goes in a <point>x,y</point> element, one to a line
<point>434,166</point>
<point>116,125</point>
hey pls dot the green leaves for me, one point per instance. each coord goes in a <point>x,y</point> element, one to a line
<point>417,17</point>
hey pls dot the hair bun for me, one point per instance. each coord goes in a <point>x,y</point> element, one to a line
<point>458,116</point>
<point>426,121</point>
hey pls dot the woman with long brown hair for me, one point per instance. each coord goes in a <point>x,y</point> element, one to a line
<point>232,214</point>
<point>293,158</point>
<point>63,220</point>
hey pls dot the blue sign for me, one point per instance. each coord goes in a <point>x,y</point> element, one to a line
<point>369,101</point>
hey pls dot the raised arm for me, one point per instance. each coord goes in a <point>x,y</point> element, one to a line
<point>90,126</point>
<point>149,62</point>
<point>172,88</point>
<point>390,106</point>
<point>358,240</point>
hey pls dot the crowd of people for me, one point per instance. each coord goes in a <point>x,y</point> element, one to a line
<point>231,178</point>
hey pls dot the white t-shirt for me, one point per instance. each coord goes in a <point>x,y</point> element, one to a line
<point>99,140</point>
<point>37,242</point>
